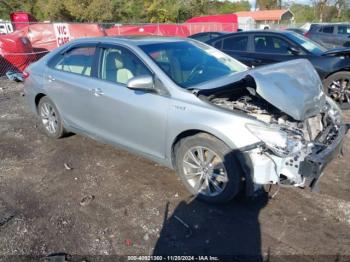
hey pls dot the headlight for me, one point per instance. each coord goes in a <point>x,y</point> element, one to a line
<point>281,142</point>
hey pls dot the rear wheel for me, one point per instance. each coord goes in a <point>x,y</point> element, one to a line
<point>337,86</point>
<point>208,168</point>
<point>50,118</point>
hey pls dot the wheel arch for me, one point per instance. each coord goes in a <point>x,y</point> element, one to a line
<point>37,99</point>
<point>344,69</point>
<point>182,135</point>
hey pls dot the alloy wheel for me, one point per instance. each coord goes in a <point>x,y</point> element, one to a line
<point>205,171</point>
<point>339,90</point>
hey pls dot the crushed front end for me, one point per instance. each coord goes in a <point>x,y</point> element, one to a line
<point>299,128</point>
<point>295,153</point>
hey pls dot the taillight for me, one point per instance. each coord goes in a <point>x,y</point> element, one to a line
<point>25,74</point>
<point>307,34</point>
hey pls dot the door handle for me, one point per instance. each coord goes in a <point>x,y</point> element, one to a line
<point>97,91</point>
<point>50,78</point>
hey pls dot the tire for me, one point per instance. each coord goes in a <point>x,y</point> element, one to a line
<point>51,121</point>
<point>337,86</point>
<point>229,168</point>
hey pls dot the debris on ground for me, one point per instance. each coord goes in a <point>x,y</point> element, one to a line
<point>14,76</point>
<point>87,200</point>
<point>128,242</point>
<point>67,167</point>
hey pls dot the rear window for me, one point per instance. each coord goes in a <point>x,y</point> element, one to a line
<point>235,43</point>
<point>77,61</point>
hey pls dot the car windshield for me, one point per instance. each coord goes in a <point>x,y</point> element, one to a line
<point>189,63</point>
<point>308,44</point>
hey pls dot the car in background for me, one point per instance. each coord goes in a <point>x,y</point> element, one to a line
<point>222,126</point>
<point>330,35</point>
<point>300,31</point>
<point>257,48</point>
<point>206,36</point>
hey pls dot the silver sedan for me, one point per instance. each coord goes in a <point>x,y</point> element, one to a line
<point>222,126</point>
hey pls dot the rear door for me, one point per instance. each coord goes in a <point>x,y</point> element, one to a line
<point>135,119</point>
<point>69,80</point>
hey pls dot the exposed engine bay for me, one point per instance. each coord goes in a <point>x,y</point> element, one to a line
<point>255,106</point>
<point>292,164</point>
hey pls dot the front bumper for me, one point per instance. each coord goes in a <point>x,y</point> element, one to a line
<point>313,165</point>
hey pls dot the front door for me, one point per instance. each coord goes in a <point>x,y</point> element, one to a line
<point>135,119</point>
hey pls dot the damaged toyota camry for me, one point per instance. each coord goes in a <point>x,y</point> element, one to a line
<point>224,128</point>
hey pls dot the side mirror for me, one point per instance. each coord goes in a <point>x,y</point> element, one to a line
<point>294,50</point>
<point>142,83</point>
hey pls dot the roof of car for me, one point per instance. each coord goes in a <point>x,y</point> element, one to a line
<point>132,40</point>
<point>281,32</point>
<point>257,31</point>
<point>329,24</point>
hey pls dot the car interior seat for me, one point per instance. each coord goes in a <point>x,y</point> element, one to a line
<point>115,70</point>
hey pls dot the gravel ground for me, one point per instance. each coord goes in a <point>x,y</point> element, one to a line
<point>81,197</point>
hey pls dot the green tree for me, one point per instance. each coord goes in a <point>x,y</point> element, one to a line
<point>121,11</point>
<point>302,13</point>
<point>268,4</point>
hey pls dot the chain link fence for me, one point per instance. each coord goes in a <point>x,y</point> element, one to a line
<point>31,41</point>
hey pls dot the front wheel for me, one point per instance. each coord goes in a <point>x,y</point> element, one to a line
<point>208,168</point>
<point>337,86</point>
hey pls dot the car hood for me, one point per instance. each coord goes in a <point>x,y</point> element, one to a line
<point>337,52</point>
<point>293,87</point>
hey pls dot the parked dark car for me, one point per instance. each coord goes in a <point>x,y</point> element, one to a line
<point>256,48</point>
<point>330,35</point>
<point>206,36</point>
<point>300,31</point>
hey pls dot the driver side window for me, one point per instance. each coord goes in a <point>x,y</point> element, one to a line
<point>120,65</point>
